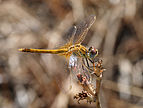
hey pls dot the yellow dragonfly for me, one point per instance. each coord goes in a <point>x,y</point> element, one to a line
<point>73,47</point>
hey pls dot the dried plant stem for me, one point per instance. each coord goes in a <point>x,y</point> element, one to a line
<point>98,84</point>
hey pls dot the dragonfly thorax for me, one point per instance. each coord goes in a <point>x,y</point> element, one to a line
<point>78,50</point>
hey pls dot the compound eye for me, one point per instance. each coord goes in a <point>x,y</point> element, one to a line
<point>93,52</point>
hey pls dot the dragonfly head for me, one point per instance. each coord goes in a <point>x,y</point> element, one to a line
<point>92,53</point>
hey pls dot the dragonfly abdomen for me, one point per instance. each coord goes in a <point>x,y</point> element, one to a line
<point>53,51</point>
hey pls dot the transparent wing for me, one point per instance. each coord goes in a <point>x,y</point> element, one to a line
<point>82,75</point>
<point>71,33</point>
<point>77,66</point>
<point>74,65</point>
<point>78,33</point>
<point>83,28</point>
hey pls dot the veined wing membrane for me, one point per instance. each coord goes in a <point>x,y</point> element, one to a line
<point>83,28</point>
<point>79,32</point>
<point>71,33</point>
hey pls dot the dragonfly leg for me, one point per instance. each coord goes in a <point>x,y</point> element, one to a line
<point>87,62</point>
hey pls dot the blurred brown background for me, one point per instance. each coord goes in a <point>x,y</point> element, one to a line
<point>41,80</point>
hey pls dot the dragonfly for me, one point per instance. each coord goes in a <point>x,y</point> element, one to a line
<point>73,47</point>
<point>79,59</point>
